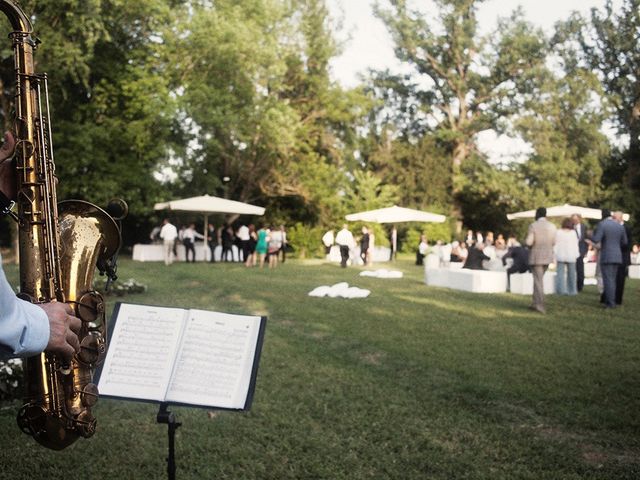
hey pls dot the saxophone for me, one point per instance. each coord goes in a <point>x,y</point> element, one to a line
<point>59,248</point>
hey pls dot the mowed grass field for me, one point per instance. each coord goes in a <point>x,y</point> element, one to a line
<point>412,382</point>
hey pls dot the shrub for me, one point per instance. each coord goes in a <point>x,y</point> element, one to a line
<point>11,379</point>
<point>306,241</point>
<point>411,241</point>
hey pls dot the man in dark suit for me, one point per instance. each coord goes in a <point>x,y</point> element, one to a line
<point>475,257</point>
<point>612,238</point>
<point>520,257</point>
<point>623,270</point>
<point>583,248</point>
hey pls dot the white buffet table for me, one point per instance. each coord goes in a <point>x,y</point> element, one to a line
<point>380,254</point>
<point>155,253</point>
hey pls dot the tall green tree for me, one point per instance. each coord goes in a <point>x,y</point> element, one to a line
<point>261,107</point>
<point>563,126</point>
<point>611,47</point>
<point>467,82</point>
<point>421,167</point>
<point>111,110</point>
<point>226,57</point>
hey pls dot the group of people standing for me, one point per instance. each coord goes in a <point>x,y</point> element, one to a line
<point>568,247</point>
<point>345,240</point>
<point>545,244</point>
<point>254,247</point>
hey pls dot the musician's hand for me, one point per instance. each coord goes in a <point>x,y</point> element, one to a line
<point>64,328</point>
<point>7,174</point>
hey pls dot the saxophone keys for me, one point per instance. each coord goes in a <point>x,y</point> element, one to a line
<point>89,395</point>
<point>90,307</point>
<point>91,349</point>
<point>86,424</point>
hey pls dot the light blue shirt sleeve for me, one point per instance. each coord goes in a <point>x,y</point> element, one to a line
<point>24,327</point>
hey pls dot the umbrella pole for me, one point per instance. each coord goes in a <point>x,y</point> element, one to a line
<point>206,237</point>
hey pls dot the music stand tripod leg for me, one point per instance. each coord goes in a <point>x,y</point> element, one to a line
<point>165,416</point>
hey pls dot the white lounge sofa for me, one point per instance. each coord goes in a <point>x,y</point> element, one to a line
<point>479,281</point>
<point>522,283</point>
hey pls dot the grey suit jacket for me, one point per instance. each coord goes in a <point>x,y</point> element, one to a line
<point>541,237</point>
<point>612,238</point>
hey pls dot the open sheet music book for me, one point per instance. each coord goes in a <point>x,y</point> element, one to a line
<point>179,356</point>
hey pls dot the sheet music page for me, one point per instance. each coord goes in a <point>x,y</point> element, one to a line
<point>142,351</point>
<point>215,360</point>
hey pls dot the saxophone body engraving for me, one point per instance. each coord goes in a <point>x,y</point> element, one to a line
<point>59,248</point>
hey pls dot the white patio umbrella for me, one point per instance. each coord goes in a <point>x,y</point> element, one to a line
<point>207,204</point>
<point>395,214</point>
<point>565,210</point>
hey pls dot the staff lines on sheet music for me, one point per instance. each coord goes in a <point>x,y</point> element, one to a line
<point>218,393</point>
<point>138,352</point>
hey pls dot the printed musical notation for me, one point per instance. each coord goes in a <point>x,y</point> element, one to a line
<point>182,356</point>
<point>213,359</point>
<point>141,352</point>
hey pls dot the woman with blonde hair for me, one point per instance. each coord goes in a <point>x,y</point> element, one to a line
<point>567,252</point>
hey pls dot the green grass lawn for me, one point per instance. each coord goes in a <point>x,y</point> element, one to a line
<point>412,382</point>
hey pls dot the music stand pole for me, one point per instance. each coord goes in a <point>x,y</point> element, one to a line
<point>165,416</point>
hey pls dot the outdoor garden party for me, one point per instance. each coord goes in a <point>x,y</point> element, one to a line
<point>322,239</point>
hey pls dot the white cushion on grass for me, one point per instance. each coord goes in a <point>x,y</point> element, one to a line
<point>341,289</point>
<point>381,273</point>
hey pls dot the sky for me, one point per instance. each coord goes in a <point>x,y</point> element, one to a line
<point>367,44</point>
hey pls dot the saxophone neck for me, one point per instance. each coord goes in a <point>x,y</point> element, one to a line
<point>18,19</point>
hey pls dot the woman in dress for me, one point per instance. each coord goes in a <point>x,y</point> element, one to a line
<point>261,245</point>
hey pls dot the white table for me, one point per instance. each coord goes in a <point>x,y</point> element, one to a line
<point>380,254</point>
<point>155,253</point>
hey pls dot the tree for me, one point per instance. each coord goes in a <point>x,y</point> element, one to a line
<point>470,82</point>
<point>111,111</point>
<point>563,125</point>
<point>422,168</point>
<point>610,45</point>
<point>264,113</point>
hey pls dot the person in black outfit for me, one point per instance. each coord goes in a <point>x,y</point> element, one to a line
<point>364,245</point>
<point>520,257</point>
<point>227,242</point>
<point>212,241</point>
<point>583,248</point>
<point>475,257</point>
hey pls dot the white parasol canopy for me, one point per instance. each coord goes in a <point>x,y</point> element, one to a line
<point>396,214</point>
<point>565,210</point>
<point>208,204</point>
